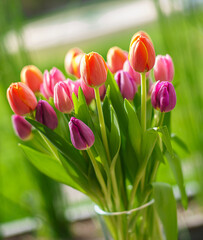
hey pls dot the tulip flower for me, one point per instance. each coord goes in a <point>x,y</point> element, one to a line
<point>141,53</point>
<point>93,69</point>
<point>32,77</point>
<point>46,115</point>
<point>21,98</point>
<point>116,58</point>
<point>50,80</point>
<point>22,128</point>
<point>126,84</point>
<point>73,86</point>
<point>72,61</point>
<point>62,97</point>
<point>42,91</point>
<point>163,68</point>
<point>81,135</point>
<point>163,96</point>
<point>135,75</point>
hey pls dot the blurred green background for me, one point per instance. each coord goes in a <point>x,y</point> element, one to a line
<point>176,28</point>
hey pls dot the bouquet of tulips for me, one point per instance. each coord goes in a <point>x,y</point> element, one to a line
<point>104,131</point>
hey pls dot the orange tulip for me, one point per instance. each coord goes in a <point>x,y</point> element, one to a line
<point>72,64</point>
<point>32,77</point>
<point>141,53</point>
<point>21,98</point>
<point>93,69</point>
<point>116,58</point>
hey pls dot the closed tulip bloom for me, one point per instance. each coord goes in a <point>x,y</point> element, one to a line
<point>163,96</point>
<point>93,69</point>
<point>51,79</point>
<point>46,115</point>
<point>21,98</point>
<point>70,63</point>
<point>42,91</point>
<point>22,128</point>
<point>163,68</point>
<point>135,75</point>
<point>62,97</point>
<point>32,77</point>
<point>126,84</point>
<point>141,53</point>
<point>116,58</point>
<point>81,135</point>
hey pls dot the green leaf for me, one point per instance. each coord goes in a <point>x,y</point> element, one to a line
<point>164,134</point>
<point>134,128</point>
<point>149,140</point>
<point>165,205</point>
<point>117,101</point>
<point>115,137</point>
<point>71,154</point>
<point>106,111</point>
<point>49,166</point>
<point>179,142</point>
<point>175,165</point>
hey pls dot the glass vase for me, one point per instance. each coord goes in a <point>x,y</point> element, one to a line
<point>141,223</point>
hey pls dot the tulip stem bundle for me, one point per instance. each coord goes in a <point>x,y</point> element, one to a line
<point>143,101</point>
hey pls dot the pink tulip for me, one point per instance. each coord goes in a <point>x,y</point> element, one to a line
<point>62,97</point>
<point>164,69</point>
<point>50,80</point>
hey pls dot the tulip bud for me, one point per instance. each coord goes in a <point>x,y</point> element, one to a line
<point>116,58</point>
<point>22,128</point>
<point>21,98</point>
<point>81,135</point>
<point>62,97</point>
<point>141,53</point>
<point>32,77</point>
<point>93,69</point>
<point>135,75</point>
<point>126,84</point>
<point>73,86</point>
<point>50,80</point>
<point>163,96</point>
<point>163,68</point>
<point>72,64</point>
<point>46,115</point>
<point>42,91</point>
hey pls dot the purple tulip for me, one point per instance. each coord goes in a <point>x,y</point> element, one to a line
<point>163,68</point>
<point>46,115</point>
<point>126,84</point>
<point>62,97</point>
<point>163,96</point>
<point>81,135</point>
<point>50,80</point>
<point>22,128</point>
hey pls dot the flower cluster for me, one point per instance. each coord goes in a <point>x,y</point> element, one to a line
<point>119,133</point>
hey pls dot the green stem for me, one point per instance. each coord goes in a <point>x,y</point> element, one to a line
<point>161,119</point>
<point>102,124</point>
<point>98,174</point>
<point>143,101</point>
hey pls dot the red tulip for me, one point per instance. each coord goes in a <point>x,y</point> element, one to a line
<point>21,98</point>
<point>141,53</point>
<point>32,77</point>
<point>116,58</point>
<point>93,69</point>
